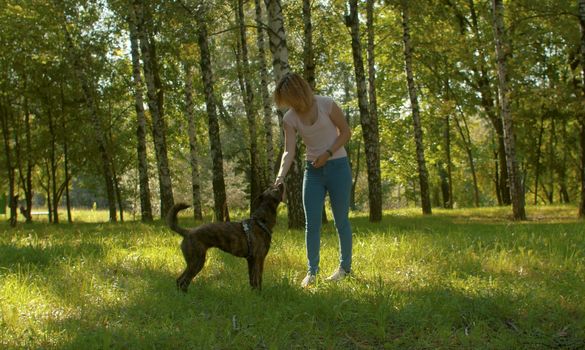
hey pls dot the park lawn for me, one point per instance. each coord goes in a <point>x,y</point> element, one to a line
<point>461,279</point>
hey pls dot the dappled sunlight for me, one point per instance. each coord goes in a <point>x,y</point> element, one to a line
<point>113,285</point>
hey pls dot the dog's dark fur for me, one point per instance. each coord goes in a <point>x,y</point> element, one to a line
<point>229,237</point>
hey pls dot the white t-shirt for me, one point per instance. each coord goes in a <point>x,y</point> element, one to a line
<point>319,136</point>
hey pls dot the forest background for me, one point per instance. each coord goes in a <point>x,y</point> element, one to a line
<point>135,105</point>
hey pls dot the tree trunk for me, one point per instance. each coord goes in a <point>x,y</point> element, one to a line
<point>53,166</point>
<point>10,169</point>
<point>552,162</point>
<point>269,169</point>
<point>219,194</point>
<point>418,135</point>
<point>537,160</point>
<point>143,178</point>
<point>371,59</point>
<point>369,124</point>
<point>562,168</point>
<point>243,65</point>
<point>466,138</point>
<point>99,133</point>
<point>118,191</point>
<point>449,161</point>
<point>193,148</point>
<point>484,89</point>
<point>309,62</point>
<point>294,180</point>
<point>308,52</point>
<point>516,190</point>
<point>355,166</point>
<point>67,180</point>
<point>155,96</point>
<point>26,174</point>
<point>582,115</point>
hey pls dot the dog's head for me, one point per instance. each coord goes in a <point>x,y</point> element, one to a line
<point>270,198</point>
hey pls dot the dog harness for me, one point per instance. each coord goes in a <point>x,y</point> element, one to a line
<point>248,225</point>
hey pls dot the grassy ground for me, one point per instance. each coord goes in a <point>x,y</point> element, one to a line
<point>462,279</point>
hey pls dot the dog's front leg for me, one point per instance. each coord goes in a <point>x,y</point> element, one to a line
<point>252,271</point>
<point>260,272</point>
<point>255,267</point>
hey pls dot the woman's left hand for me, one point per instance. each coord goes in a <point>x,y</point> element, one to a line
<point>321,160</point>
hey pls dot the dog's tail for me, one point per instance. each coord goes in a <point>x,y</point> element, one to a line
<point>172,219</point>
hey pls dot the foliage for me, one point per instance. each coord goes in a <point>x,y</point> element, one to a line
<point>36,78</point>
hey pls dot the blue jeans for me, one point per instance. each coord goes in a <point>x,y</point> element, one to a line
<point>334,177</point>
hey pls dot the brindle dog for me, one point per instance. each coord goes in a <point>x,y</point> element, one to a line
<point>230,237</point>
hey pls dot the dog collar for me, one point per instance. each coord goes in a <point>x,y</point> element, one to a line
<point>247,225</point>
<point>263,227</point>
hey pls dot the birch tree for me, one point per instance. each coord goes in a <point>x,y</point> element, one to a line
<point>413,94</point>
<point>244,77</point>
<point>10,168</point>
<point>269,169</point>
<point>370,130</point>
<point>280,66</point>
<point>155,103</point>
<point>582,115</point>
<point>218,181</point>
<point>516,190</point>
<point>141,150</point>
<point>193,147</point>
<point>308,52</point>
<point>97,126</point>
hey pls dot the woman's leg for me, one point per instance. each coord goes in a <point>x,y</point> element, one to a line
<point>338,175</point>
<point>313,200</point>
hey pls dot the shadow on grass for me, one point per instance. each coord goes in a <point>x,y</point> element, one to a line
<point>43,257</point>
<point>222,312</point>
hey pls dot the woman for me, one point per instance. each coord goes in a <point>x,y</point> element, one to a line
<point>324,131</point>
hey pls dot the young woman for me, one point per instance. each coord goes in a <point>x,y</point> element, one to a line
<point>324,131</point>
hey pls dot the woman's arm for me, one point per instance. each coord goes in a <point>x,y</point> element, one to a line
<point>290,143</point>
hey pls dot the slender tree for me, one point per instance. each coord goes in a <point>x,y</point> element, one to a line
<point>144,187</point>
<point>193,147</point>
<point>581,114</point>
<point>308,51</point>
<point>269,169</point>
<point>25,170</point>
<point>465,135</point>
<point>244,77</point>
<point>10,168</point>
<point>418,134</point>
<point>370,130</point>
<point>99,131</point>
<point>219,193</point>
<point>280,66</point>
<point>481,81</point>
<point>516,190</point>
<point>155,98</point>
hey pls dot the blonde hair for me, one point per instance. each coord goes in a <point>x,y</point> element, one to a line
<point>294,91</point>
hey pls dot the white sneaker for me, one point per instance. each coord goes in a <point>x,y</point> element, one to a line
<point>338,275</point>
<point>308,280</point>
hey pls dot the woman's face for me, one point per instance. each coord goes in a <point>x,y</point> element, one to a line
<point>299,106</point>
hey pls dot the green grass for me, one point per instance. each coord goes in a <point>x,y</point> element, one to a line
<point>462,279</point>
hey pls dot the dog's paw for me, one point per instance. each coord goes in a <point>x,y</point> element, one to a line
<point>182,284</point>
